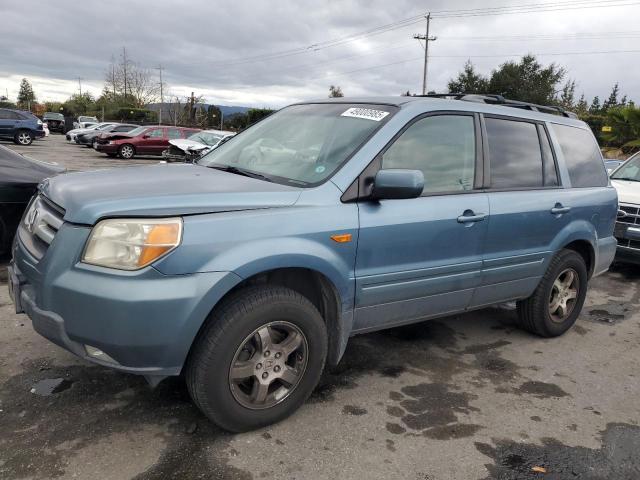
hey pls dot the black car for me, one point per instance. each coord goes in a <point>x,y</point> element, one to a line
<point>55,121</point>
<point>89,138</point>
<point>19,179</point>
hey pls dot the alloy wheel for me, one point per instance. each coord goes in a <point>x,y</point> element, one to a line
<point>127,151</point>
<point>268,365</point>
<point>564,293</point>
<point>24,138</point>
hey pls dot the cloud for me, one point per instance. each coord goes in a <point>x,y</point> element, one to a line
<point>202,44</point>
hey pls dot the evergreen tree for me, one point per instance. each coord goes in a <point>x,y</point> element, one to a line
<point>595,107</point>
<point>26,96</point>
<point>612,101</point>
<point>468,81</point>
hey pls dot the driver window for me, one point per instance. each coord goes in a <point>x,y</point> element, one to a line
<point>443,147</point>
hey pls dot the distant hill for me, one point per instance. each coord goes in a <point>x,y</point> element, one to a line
<point>226,109</point>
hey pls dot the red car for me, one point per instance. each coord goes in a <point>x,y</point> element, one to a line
<point>146,140</point>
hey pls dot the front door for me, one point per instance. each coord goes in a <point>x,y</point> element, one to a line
<point>422,257</point>
<point>152,142</point>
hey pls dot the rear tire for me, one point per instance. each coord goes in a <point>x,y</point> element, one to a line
<point>557,301</point>
<point>23,137</point>
<point>126,151</point>
<point>274,333</point>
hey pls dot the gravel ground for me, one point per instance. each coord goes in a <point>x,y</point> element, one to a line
<point>467,397</point>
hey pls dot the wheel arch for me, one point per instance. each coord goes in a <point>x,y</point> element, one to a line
<point>585,249</point>
<point>314,285</point>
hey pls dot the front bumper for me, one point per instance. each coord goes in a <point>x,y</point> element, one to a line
<point>106,148</point>
<point>39,133</point>
<point>144,321</point>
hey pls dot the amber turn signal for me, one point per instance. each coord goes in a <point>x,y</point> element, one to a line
<point>341,238</point>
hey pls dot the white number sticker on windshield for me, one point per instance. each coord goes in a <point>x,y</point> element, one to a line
<point>366,113</point>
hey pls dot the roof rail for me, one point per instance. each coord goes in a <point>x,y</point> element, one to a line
<point>495,99</point>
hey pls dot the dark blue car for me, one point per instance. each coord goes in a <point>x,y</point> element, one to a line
<point>22,127</point>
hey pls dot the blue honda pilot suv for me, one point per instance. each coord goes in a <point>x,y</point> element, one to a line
<point>250,270</point>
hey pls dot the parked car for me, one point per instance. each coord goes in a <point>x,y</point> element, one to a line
<point>55,121</point>
<point>90,137</point>
<point>191,148</point>
<point>22,127</point>
<point>19,178</point>
<point>71,134</point>
<point>626,180</point>
<point>248,276</point>
<point>611,165</point>
<point>84,121</point>
<point>149,140</point>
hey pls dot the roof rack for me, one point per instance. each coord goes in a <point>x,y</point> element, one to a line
<point>494,99</point>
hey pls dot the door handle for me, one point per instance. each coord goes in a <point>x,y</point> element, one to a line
<point>470,217</point>
<point>560,210</point>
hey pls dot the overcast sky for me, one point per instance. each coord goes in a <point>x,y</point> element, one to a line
<point>207,47</point>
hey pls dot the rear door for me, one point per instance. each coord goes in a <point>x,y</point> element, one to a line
<point>422,257</point>
<point>527,204</point>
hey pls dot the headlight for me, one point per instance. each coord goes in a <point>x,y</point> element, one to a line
<point>39,122</point>
<point>130,244</point>
<point>110,142</point>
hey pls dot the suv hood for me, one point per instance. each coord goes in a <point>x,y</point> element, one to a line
<point>161,190</point>
<point>628,192</point>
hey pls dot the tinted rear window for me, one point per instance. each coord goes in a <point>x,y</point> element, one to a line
<point>514,154</point>
<point>582,157</point>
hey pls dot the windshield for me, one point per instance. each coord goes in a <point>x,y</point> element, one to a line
<point>55,116</point>
<point>630,170</point>
<point>87,119</point>
<point>206,138</point>
<point>302,144</point>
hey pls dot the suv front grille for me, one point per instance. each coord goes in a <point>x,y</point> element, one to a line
<point>39,225</point>
<point>631,217</point>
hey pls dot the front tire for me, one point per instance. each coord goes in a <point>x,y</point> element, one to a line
<point>557,301</point>
<point>126,151</point>
<point>258,358</point>
<point>23,137</point>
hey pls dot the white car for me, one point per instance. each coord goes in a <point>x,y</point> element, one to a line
<point>84,121</point>
<point>195,146</point>
<point>626,180</point>
<point>45,127</point>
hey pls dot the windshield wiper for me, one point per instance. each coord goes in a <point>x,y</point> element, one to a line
<point>240,171</point>
<point>625,178</point>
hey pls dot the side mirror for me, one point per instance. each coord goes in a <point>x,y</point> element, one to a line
<point>396,184</point>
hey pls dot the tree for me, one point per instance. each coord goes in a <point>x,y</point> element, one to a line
<point>468,81</point>
<point>26,96</point>
<point>527,81</point>
<point>595,107</point>
<point>612,101</point>
<point>128,84</point>
<point>335,91</point>
<point>567,95</point>
<point>582,107</point>
<point>80,104</point>
<point>214,117</point>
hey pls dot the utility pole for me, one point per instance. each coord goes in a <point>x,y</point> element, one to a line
<point>124,69</point>
<point>426,39</point>
<point>80,84</point>
<point>221,119</point>
<point>161,96</point>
